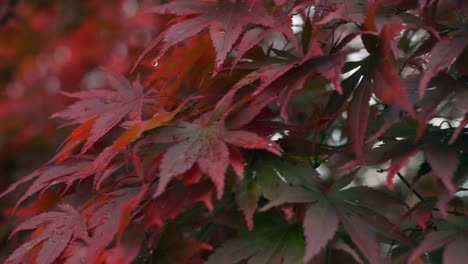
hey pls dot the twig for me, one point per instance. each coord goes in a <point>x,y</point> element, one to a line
<point>421,198</point>
<point>409,186</point>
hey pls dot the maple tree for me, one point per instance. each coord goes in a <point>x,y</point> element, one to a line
<point>237,131</point>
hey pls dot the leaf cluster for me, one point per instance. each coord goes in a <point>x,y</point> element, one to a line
<point>239,137</point>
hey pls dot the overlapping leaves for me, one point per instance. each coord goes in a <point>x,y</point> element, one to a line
<point>155,170</point>
<point>203,144</point>
<point>327,206</point>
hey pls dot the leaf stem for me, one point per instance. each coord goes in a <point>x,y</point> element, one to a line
<point>402,178</point>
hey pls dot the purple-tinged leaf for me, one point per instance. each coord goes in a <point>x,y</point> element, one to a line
<point>458,130</point>
<point>421,212</point>
<point>441,56</point>
<point>431,242</point>
<point>320,224</point>
<point>358,113</point>
<point>361,234</point>
<point>444,86</point>
<point>247,197</point>
<point>389,119</point>
<point>381,224</point>
<point>225,21</point>
<point>105,108</point>
<point>237,162</point>
<point>370,197</point>
<point>290,194</point>
<point>331,69</point>
<point>397,164</point>
<point>455,252</point>
<point>444,162</point>
<point>64,228</point>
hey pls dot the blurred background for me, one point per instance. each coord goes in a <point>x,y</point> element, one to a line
<point>48,47</point>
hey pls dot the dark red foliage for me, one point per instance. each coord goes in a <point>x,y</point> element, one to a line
<point>233,131</point>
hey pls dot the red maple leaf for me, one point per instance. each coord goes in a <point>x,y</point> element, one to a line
<point>103,219</point>
<point>204,144</point>
<point>388,86</point>
<point>58,229</point>
<point>284,78</point>
<point>358,116</point>
<point>226,21</point>
<point>177,248</point>
<point>442,55</point>
<point>98,111</point>
<point>46,177</point>
<point>171,203</point>
<point>348,206</point>
<point>135,130</point>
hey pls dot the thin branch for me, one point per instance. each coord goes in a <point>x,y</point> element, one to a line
<point>402,178</point>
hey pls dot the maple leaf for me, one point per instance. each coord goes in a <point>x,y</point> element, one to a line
<point>358,116</point>
<point>452,235</point>
<point>128,246</point>
<point>173,247</point>
<point>461,98</point>
<point>174,68</point>
<point>273,71</point>
<point>397,163</point>
<point>353,11</point>
<point>458,130</point>
<point>48,176</point>
<point>445,195</point>
<point>442,55</point>
<point>284,78</point>
<point>254,37</point>
<point>398,151</point>
<point>385,122</point>
<point>443,86</point>
<point>225,20</point>
<point>205,145</point>
<point>171,203</point>
<point>247,197</point>
<point>284,86</point>
<point>43,203</point>
<point>350,207</point>
<point>135,130</point>
<point>249,40</point>
<point>320,225</point>
<point>102,109</point>
<point>422,212</point>
<point>271,241</point>
<point>122,205</point>
<point>58,229</point>
<point>274,176</point>
<point>103,220</point>
<point>74,253</point>
<point>337,102</point>
<point>388,86</point>
<point>444,162</point>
